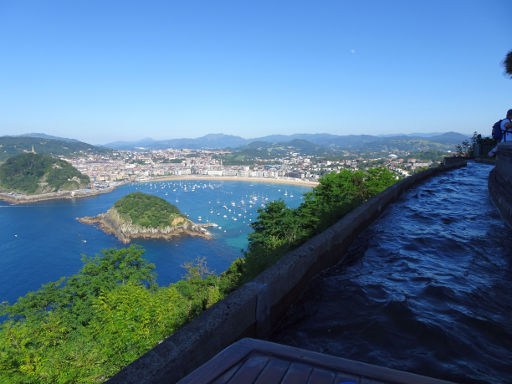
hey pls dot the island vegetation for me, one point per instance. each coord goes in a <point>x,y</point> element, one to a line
<point>141,215</point>
<point>86,327</point>
<point>32,173</point>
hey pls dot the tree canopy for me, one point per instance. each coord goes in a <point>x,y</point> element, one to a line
<point>279,228</point>
<point>147,210</point>
<point>85,328</point>
<point>32,173</point>
<point>508,63</point>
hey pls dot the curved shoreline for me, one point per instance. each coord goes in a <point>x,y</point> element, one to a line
<point>237,178</point>
<point>18,198</point>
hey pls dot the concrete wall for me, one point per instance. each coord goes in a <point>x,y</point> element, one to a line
<point>500,182</point>
<point>253,309</point>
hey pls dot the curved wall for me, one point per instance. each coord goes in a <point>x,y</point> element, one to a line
<point>253,309</point>
<point>500,182</point>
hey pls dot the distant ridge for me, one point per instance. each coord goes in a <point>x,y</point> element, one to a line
<point>211,141</point>
<point>45,136</point>
<point>221,141</point>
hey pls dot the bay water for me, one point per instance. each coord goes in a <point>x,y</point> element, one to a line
<point>40,242</point>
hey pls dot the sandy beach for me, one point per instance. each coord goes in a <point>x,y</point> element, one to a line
<point>236,178</point>
<point>18,198</point>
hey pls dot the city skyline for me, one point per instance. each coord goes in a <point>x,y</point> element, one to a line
<point>102,72</point>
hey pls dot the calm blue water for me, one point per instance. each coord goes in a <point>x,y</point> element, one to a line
<point>43,241</point>
<point>429,289</point>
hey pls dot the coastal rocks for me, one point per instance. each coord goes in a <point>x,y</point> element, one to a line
<point>20,198</point>
<point>111,222</point>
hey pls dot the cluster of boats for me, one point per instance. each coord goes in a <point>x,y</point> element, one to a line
<point>220,212</point>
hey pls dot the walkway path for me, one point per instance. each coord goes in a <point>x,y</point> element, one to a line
<point>429,290</point>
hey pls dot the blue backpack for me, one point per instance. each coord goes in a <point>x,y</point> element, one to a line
<point>496,131</point>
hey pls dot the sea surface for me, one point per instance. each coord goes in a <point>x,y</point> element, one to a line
<point>43,241</point>
<point>428,288</point>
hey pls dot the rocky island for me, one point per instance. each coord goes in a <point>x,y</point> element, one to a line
<point>140,215</point>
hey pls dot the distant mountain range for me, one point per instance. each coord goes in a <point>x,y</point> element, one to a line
<point>211,141</point>
<point>346,142</point>
<point>45,136</point>
<point>312,144</point>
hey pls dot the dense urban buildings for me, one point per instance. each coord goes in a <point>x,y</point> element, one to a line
<point>128,166</point>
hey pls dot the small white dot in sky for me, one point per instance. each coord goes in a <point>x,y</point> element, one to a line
<point>352,51</point>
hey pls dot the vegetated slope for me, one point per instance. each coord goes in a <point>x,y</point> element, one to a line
<point>14,145</point>
<point>147,211</point>
<point>86,327</point>
<point>32,173</point>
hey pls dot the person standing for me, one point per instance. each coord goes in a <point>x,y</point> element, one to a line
<point>506,132</point>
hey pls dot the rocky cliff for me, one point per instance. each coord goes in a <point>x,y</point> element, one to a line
<point>125,230</point>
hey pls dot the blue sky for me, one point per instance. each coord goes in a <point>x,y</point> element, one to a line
<point>101,71</point>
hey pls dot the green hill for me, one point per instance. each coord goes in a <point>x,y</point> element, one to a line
<point>148,211</point>
<point>32,173</point>
<point>14,145</point>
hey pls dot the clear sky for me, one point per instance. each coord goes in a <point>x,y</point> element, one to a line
<point>102,71</point>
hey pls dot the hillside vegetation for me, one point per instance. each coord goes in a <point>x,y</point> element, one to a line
<point>146,210</point>
<point>35,173</point>
<point>85,328</point>
<point>14,145</point>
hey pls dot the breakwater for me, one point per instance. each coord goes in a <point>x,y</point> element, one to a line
<point>256,307</point>
<point>19,198</point>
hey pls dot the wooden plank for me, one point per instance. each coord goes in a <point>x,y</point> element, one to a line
<point>351,367</point>
<point>273,372</point>
<point>344,378</point>
<point>322,376</point>
<point>298,373</point>
<point>218,365</point>
<point>255,354</point>
<point>250,369</point>
<point>224,379</point>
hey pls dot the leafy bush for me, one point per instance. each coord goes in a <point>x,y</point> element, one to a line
<point>279,228</point>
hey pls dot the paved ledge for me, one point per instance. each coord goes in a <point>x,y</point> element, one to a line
<point>264,362</point>
<point>253,309</point>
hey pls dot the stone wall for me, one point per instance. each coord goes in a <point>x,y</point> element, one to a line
<point>500,182</point>
<point>254,309</point>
